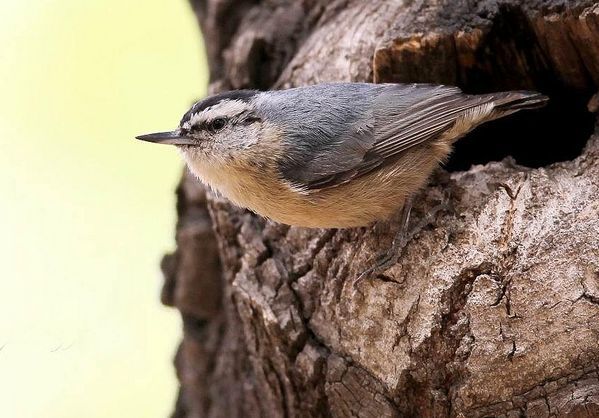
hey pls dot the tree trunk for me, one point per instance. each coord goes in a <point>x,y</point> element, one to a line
<point>492,310</point>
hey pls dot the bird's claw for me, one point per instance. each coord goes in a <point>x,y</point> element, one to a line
<point>388,259</point>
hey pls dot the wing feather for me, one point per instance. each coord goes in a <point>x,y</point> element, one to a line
<point>399,117</point>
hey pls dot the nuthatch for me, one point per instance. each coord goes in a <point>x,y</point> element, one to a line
<point>330,155</point>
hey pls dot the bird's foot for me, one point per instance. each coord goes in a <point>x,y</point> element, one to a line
<point>390,257</point>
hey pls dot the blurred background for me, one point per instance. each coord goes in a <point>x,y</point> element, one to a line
<point>86,211</point>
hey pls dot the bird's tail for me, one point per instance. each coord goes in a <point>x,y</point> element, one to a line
<point>486,107</point>
<point>513,101</point>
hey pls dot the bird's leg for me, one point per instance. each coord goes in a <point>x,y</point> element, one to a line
<point>387,259</point>
<point>402,237</point>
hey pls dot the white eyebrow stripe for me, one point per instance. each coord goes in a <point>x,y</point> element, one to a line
<point>223,108</point>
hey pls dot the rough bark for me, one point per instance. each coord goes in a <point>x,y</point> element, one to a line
<point>493,310</point>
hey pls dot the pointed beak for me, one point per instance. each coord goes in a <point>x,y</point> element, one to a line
<point>169,138</point>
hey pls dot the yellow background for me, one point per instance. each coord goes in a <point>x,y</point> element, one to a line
<point>86,211</point>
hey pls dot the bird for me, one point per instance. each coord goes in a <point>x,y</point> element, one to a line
<point>331,155</point>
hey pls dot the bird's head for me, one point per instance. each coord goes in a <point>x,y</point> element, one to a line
<point>214,129</point>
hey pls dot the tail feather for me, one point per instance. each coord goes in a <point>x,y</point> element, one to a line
<point>488,107</point>
<point>513,101</point>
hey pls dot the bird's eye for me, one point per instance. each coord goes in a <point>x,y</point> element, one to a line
<point>217,124</point>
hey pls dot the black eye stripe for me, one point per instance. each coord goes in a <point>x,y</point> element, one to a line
<point>213,125</point>
<point>220,122</point>
<point>251,119</point>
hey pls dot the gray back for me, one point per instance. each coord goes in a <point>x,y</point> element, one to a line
<point>335,132</point>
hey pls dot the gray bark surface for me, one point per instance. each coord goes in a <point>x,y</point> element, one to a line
<point>493,310</point>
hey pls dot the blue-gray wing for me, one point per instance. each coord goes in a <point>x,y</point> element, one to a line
<point>337,132</point>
